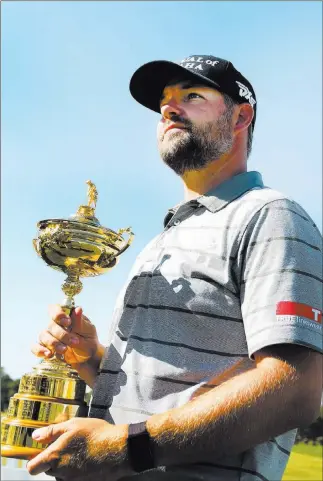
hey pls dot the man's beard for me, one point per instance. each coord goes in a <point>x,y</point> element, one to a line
<point>196,146</point>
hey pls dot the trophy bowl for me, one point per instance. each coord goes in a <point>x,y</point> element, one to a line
<point>79,247</point>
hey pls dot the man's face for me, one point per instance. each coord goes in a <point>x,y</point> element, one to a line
<point>195,128</point>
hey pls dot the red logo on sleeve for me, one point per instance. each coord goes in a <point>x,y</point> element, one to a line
<point>287,308</point>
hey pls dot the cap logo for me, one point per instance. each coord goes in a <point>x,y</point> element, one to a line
<point>245,92</point>
<point>197,63</point>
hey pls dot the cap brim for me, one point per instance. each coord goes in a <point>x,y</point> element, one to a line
<point>148,82</point>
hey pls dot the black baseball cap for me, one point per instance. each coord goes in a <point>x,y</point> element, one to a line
<point>149,81</point>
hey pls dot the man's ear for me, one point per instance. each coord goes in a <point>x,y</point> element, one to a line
<point>244,118</point>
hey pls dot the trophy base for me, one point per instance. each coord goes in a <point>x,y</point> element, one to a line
<point>52,394</point>
<point>17,441</point>
<point>19,452</point>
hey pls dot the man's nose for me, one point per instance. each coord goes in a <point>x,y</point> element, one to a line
<point>169,109</point>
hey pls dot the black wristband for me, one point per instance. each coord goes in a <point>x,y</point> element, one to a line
<point>140,448</point>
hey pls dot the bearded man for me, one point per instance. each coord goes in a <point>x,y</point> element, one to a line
<point>214,359</point>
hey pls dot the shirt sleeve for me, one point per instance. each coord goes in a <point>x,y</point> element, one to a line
<point>280,268</point>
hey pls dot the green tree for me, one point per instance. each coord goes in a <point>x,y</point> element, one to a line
<point>8,388</point>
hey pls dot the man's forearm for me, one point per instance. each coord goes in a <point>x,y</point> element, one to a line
<point>243,412</point>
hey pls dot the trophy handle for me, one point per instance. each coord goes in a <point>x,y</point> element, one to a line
<point>129,241</point>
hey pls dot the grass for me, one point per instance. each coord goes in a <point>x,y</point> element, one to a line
<point>305,463</point>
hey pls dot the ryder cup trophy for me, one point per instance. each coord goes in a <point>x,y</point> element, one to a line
<point>80,247</point>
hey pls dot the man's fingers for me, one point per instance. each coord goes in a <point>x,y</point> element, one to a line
<point>58,315</point>
<point>80,322</point>
<point>38,465</point>
<point>57,333</point>
<point>78,311</point>
<point>50,433</point>
<point>76,322</point>
<point>41,351</point>
<point>52,343</point>
<point>52,456</point>
<point>46,460</point>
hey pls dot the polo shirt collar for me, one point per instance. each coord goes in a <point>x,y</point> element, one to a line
<point>230,190</point>
<point>224,193</point>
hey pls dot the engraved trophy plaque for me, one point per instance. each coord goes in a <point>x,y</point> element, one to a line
<point>79,247</point>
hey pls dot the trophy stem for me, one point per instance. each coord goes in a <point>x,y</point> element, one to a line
<point>71,287</point>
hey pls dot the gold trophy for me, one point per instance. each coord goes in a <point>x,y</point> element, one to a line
<point>80,247</point>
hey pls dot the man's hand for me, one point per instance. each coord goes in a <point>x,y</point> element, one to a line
<point>72,338</point>
<point>81,447</point>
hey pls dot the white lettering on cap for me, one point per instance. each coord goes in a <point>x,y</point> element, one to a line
<point>190,62</point>
<point>192,65</point>
<point>245,92</point>
<point>212,62</point>
<point>192,59</point>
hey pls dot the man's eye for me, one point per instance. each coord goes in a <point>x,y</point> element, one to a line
<point>193,95</point>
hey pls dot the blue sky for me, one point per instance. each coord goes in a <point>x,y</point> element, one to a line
<point>67,116</point>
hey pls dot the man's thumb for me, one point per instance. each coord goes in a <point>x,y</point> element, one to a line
<point>77,320</point>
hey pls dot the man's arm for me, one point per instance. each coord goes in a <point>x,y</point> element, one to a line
<point>282,392</point>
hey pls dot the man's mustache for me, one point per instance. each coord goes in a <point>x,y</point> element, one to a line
<point>180,120</point>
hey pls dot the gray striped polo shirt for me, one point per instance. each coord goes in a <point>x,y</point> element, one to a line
<point>233,271</point>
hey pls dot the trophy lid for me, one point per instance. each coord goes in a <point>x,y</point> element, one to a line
<point>80,245</point>
<point>85,215</point>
